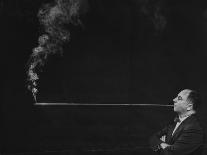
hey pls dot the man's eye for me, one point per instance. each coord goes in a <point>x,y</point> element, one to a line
<point>179,98</point>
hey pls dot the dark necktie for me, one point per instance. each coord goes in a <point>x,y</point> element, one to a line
<point>176,120</point>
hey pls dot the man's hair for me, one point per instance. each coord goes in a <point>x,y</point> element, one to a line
<point>194,97</point>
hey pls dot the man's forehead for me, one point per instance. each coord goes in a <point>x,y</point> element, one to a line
<point>184,92</point>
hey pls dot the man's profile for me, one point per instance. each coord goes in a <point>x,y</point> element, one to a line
<point>185,136</point>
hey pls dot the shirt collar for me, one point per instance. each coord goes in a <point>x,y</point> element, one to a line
<point>186,115</point>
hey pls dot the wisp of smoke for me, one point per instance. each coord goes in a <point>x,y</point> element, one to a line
<point>153,9</point>
<point>53,17</point>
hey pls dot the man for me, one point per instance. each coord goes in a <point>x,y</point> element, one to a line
<point>185,136</point>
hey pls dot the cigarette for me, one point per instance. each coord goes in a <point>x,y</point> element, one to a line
<point>100,104</point>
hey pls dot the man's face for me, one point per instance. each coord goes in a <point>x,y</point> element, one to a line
<point>181,102</point>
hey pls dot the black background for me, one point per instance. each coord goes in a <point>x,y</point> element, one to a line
<point>117,57</point>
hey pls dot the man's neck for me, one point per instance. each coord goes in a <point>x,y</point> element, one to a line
<point>186,114</point>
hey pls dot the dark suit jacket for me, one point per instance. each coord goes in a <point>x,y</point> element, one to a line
<point>188,139</point>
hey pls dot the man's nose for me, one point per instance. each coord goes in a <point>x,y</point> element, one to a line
<point>174,100</point>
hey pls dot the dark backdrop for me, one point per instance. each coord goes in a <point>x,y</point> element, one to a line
<point>121,55</point>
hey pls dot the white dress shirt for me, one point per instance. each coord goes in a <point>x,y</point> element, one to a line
<point>181,120</point>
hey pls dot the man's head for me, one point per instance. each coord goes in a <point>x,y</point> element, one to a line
<point>186,100</point>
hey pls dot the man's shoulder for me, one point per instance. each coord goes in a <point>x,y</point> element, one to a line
<point>192,123</point>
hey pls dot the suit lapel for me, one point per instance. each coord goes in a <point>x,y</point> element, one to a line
<point>169,136</point>
<point>180,128</point>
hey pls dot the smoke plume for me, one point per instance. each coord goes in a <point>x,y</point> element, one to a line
<point>53,17</point>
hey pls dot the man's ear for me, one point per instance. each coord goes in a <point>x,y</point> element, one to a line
<point>190,107</point>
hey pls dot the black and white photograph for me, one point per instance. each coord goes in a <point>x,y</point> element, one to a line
<point>103,77</point>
